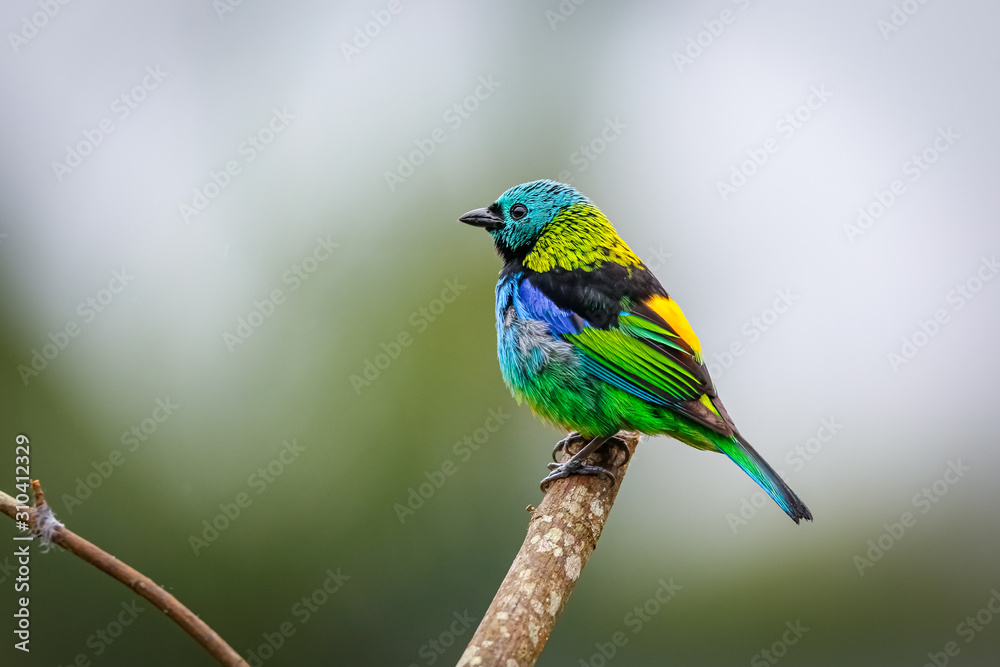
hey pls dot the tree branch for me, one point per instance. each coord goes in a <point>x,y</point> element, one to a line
<point>58,534</point>
<point>562,533</point>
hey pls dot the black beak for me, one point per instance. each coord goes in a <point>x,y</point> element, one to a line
<point>483,217</point>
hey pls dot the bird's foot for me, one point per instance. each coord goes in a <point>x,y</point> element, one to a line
<point>565,442</point>
<point>615,441</point>
<point>570,468</point>
<point>576,464</point>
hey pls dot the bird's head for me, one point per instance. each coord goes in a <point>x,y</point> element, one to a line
<point>545,224</point>
<point>519,217</point>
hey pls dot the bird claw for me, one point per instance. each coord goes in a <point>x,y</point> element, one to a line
<point>618,442</point>
<point>562,444</point>
<point>560,471</point>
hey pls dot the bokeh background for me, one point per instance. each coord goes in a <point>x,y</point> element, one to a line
<point>647,107</point>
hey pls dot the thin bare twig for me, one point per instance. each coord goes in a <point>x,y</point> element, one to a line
<point>137,581</point>
<point>562,533</point>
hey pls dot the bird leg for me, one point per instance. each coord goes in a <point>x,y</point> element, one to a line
<point>565,442</point>
<point>575,436</point>
<point>575,466</point>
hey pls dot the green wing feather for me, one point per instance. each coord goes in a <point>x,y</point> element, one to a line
<point>629,355</point>
<point>646,357</point>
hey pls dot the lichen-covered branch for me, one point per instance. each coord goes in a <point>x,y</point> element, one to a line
<point>562,533</point>
<point>42,523</point>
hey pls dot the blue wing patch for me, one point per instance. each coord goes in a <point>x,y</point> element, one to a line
<point>536,306</point>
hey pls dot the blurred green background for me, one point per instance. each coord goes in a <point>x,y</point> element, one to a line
<point>646,107</point>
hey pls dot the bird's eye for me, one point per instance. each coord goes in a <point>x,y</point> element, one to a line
<point>518,211</point>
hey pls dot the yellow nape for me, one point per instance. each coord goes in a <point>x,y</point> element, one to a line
<point>579,237</point>
<point>672,314</point>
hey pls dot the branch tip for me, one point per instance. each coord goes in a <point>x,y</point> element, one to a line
<point>36,486</point>
<point>51,531</point>
<point>562,533</point>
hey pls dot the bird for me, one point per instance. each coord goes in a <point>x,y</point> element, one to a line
<point>591,341</point>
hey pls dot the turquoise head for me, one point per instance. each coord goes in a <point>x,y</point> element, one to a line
<point>517,219</point>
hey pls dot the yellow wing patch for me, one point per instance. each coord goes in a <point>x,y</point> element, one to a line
<point>672,314</point>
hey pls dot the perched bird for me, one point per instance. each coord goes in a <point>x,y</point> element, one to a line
<point>588,337</point>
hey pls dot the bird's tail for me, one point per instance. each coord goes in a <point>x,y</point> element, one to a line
<point>746,457</point>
